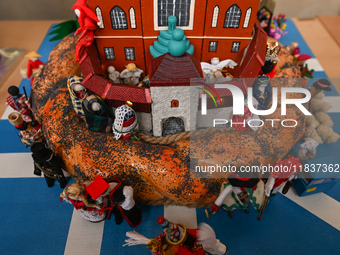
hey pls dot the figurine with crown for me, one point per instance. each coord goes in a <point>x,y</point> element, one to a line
<point>177,239</point>
<point>271,60</point>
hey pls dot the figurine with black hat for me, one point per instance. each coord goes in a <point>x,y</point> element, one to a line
<point>47,162</point>
<point>262,91</point>
<point>320,85</point>
<point>19,103</point>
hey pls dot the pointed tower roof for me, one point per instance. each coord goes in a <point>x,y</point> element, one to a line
<point>168,70</point>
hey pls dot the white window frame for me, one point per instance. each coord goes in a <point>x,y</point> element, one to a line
<point>126,52</point>
<point>100,16</point>
<point>215,45</point>
<point>132,15</point>
<point>119,19</point>
<point>238,47</point>
<point>155,17</point>
<point>231,18</point>
<point>113,52</point>
<point>247,18</point>
<point>216,11</point>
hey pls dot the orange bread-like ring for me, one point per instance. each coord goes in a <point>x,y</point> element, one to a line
<point>158,174</point>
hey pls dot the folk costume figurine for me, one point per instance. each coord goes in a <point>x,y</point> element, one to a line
<point>262,91</point>
<point>45,161</point>
<point>308,149</point>
<point>271,60</point>
<point>34,66</point>
<point>113,74</point>
<point>98,115</point>
<point>125,125</point>
<point>214,72</point>
<point>88,208</point>
<point>131,74</point>
<point>118,199</point>
<point>87,22</point>
<point>30,132</point>
<point>176,239</point>
<point>19,103</point>
<point>241,190</point>
<point>78,93</point>
<point>284,171</point>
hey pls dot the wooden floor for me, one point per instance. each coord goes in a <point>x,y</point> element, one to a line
<point>20,34</point>
<point>321,35</point>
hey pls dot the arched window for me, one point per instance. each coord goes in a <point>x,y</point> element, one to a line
<point>174,103</point>
<point>179,8</point>
<point>215,16</point>
<point>247,18</point>
<point>100,16</point>
<point>118,18</point>
<point>132,18</point>
<point>232,17</point>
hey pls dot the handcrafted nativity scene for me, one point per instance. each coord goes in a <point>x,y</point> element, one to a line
<point>141,70</point>
<point>150,53</point>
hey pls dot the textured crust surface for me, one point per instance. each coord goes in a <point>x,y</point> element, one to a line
<point>157,173</point>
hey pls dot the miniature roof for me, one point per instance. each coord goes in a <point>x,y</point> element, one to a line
<point>114,94</point>
<point>168,70</point>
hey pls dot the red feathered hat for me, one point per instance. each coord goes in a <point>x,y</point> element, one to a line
<point>97,187</point>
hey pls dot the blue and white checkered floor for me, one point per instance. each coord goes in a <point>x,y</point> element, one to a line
<point>33,221</point>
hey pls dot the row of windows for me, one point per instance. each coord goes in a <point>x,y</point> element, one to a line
<point>234,49</point>
<point>129,53</point>
<point>232,17</point>
<point>118,18</point>
<point>179,8</point>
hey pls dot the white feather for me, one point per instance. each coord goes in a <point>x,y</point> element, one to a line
<point>206,67</point>
<point>135,239</point>
<point>226,63</point>
<point>206,235</point>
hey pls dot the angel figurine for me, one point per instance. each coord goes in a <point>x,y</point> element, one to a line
<point>113,74</point>
<point>214,72</point>
<point>308,149</point>
<point>131,74</point>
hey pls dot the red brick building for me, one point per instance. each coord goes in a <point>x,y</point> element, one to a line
<point>215,28</point>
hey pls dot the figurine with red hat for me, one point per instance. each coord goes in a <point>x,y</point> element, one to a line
<point>283,171</point>
<point>88,208</point>
<point>176,239</point>
<point>19,103</point>
<point>33,67</point>
<point>118,199</point>
<point>47,162</point>
<point>242,189</point>
<point>125,124</point>
<point>86,19</point>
